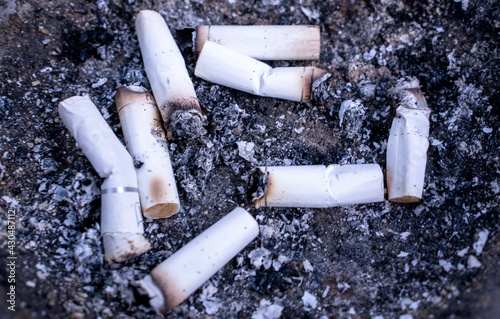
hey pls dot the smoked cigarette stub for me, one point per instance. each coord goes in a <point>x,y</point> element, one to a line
<point>168,77</point>
<point>264,42</point>
<point>186,270</point>
<point>121,219</point>
<point>316,186</point>
<point>147,144</point>
<point>408,143</point>
<point>225,66</point>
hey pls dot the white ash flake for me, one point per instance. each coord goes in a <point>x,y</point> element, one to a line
<point>495,188</point>
<point>472,262</point>
<point>211,303</point>
<point>447,266</point>
<point>403,254</point>
<point>343,287</point>
<point>309,300</point>
<point>405,235</point>
<point>259,257</point>
<point>307,266</point>
<point>100,82</point>
<point>481,241</point>
<point>246,150</point>
<point>267,310</point>
<point>463,252</point>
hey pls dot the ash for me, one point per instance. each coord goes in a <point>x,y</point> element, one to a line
<point>437,258</point>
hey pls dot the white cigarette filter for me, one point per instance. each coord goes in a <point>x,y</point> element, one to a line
<point>181,274</point>
<point>225,66</point>
<point>168,77</point>
<point>147,144</point>
<point>316,186</point>
<point>121,219</point>
<point>408,143</point>
<point>264,42</point>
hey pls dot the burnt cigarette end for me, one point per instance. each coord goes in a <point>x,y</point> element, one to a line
<point>183,119</point>
<point>257,186</point>
<point>313,77</point>
<point>171,293</point>
<point>407,92</point>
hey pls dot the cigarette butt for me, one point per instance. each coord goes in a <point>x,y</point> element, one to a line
<point>168,77</point>
<point>408,143</point>
<point>233,69</point>
<point>186,270</point>
<point>147,144</point>
<point>271,42</point>
<point>121,219</point>
<point>316,186</point>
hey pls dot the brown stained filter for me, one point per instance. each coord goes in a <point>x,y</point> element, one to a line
<point>171,293</point>
<point>125,95</point>
<point>201,37</point>
<point>157,187</point>
<point>159,193</point>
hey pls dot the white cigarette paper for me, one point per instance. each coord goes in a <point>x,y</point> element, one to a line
<point>147,144</point>
<point>317,186</point>
<point>408,143</point>
<point>121,219</point>
<point>224,66</point>
<point>264,42</point>
<point>181,274</point>
<point>168,76</point>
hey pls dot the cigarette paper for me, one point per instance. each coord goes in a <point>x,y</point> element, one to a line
<point>169,78</point>
<point>181,274</point>
<point>121,219</point>
<point>233,69</point>
<point>408,143</point>
<point>147,144</point>
<point>264,42</point>
<point>316,186</point>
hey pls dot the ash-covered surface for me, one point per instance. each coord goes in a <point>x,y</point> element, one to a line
<point>438,258</point>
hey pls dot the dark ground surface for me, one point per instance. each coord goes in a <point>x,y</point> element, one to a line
<point>368,261</point>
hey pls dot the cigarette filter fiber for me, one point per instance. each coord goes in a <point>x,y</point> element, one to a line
<point>169,78</point>
<point>224,66</point>
<point>147,143</point>
<point>317,186</point>
<point>121,218</point>
<point>186,270</point>
<point>408,143</point>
